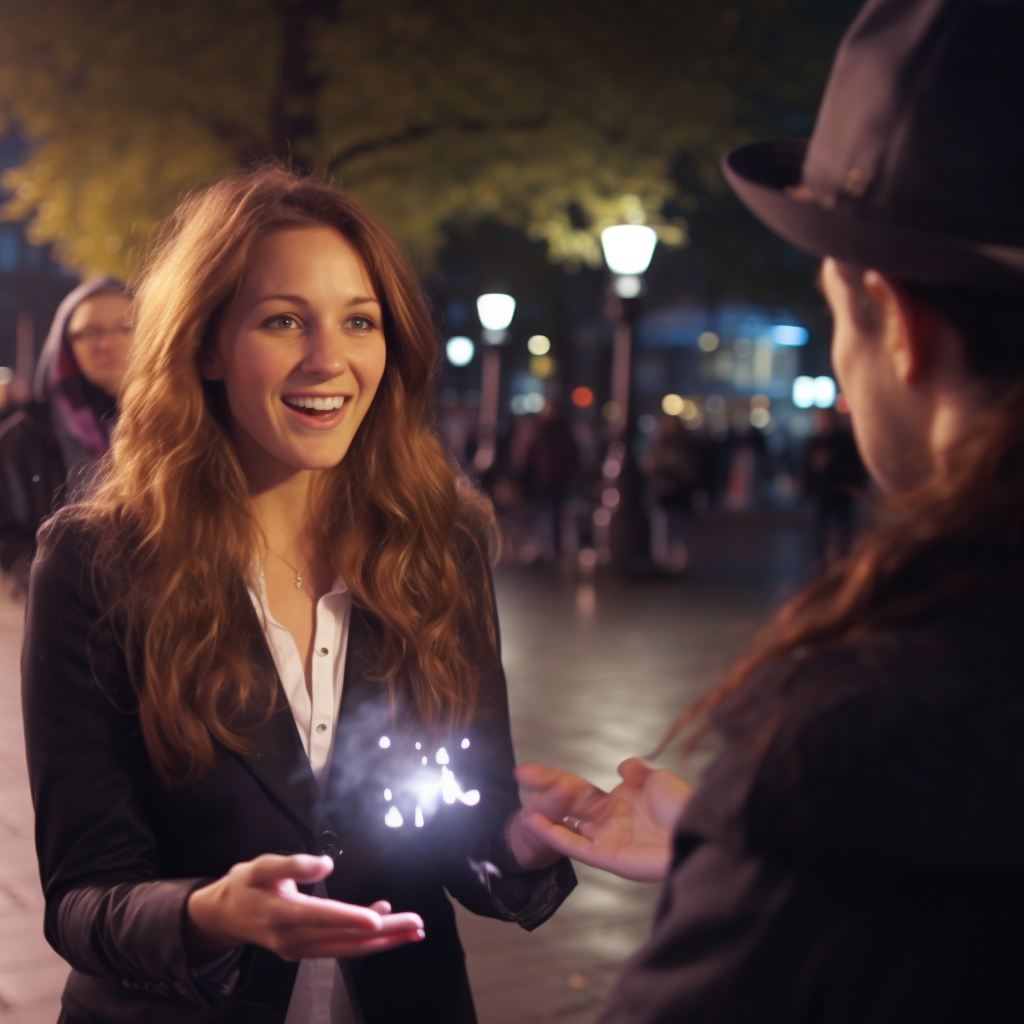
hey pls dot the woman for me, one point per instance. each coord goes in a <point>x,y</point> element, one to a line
<point>855,852</point>
<point>263,697</point>
<point>50,446</point>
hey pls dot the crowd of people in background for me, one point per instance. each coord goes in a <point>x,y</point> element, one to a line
<point>547,478</point>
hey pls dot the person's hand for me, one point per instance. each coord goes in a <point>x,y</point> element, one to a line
<point>258,902</point>
<point>627,832</point>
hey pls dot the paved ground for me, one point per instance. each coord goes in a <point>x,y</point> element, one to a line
<point>596,672</point>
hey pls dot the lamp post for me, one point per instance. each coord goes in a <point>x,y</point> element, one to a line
<point>620,527</point>
<point>495,311</point>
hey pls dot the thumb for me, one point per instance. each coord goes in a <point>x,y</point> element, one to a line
<point>634,771</point>
<point>299,867</point>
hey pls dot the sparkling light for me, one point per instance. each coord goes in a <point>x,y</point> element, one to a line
<point>539,345</point>
<point>628,286</point>
<point>394,819</point>
<point>419,817</point>
<point>464,744</point>
<point>387,794</point>
<point>582,398</point>
<point>441,757</point>
<point>384,742</point>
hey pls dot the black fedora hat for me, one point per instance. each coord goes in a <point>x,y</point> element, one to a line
<point>916,163</point>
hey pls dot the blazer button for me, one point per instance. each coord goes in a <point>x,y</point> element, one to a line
<point>329,844</point>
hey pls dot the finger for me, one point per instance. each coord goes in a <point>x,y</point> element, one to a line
<point>352,950</point>
<point>269,868</point>
<point>382,907</point>
<point>635,771</point>
<point>300,910</point>
<point>559,838</point>
<point>540,776</point>
<point>405,922</point>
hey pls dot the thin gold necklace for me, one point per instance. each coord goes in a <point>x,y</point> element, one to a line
<point>298,572</point>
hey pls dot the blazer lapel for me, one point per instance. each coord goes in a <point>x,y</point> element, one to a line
<point>279,762</point>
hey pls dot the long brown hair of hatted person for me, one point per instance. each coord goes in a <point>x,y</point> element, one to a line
<point>958,537</point>
<point>171,514</point>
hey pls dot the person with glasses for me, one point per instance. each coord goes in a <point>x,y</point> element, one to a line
<point>49,447</point>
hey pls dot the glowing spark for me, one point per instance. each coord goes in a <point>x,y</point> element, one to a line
<point>384,743</point>
<point>465,744</point>
<point>387,794</point>
<point>424,760</point>
<point>394,819</point>
<point>419,746</point>
<point>441,756</point>
<point>450,791</point>
<point>419,818</point>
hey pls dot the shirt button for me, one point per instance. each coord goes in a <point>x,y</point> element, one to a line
<point>322,652</point>
<point>321,727</point>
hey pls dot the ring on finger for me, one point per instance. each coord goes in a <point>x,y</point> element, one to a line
<point>572,822</point>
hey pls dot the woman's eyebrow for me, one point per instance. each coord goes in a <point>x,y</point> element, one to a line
<point>362,300</point>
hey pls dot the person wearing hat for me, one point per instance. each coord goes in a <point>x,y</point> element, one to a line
<point>855,851</point>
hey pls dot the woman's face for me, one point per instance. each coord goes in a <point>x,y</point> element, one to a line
<point>301,353</point>
<point>100,333</point>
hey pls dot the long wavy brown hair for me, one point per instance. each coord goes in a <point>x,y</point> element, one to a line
<point>956,539</point>
<point>171,514</point>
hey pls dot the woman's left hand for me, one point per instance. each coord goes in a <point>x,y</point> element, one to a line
<point>627,832</point>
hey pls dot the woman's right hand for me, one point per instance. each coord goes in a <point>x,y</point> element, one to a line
<point>258,902</point>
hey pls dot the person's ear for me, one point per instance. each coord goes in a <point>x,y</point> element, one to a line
<point>210,365</point>
<point>907,327</point>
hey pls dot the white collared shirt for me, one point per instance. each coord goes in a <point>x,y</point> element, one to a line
<point>320,995</point>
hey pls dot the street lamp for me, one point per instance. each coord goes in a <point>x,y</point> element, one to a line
<point>619,526</point>
<point>495,311</point>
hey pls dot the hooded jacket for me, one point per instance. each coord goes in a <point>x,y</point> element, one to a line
<point>48,448</point>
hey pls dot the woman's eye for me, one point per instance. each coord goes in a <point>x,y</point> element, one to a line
<point>282,322</point>
<point>362,323</point>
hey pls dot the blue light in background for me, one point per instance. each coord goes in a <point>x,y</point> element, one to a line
<point>789,335</point>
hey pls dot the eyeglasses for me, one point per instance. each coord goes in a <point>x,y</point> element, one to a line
<point>94,333</point>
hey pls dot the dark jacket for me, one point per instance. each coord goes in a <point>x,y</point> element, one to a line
<point>120,851</point>
<point>32,475</point>
<point>868,866</point>
<point>48,448</point>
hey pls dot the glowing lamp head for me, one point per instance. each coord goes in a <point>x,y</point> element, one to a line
<point>495,310</point>
<point>628,248</point>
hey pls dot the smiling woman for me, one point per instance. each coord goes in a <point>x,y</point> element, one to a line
<point>277,566</point>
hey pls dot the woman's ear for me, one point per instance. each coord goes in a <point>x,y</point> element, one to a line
<point>210,365</point>
<point>907,327</point>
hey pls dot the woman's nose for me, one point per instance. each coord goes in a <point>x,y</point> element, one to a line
<point>325,353</point>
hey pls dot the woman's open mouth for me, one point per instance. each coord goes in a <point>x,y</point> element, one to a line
<point>317,410</point>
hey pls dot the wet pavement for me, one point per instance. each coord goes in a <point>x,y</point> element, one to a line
<point>596,671</point>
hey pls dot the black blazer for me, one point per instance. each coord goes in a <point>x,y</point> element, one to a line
<point>120,851</point>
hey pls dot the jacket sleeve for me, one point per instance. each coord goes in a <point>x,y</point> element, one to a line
<point>109,912</point>
<point>480,871</point>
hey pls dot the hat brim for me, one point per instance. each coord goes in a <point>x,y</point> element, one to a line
<point>762,176</point>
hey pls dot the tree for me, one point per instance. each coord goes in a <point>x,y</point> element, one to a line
<point>555,116</point>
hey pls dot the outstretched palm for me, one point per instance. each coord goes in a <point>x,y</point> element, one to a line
<point>627,831</point>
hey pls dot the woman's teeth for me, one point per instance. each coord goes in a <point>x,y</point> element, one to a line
<point>317,404</point>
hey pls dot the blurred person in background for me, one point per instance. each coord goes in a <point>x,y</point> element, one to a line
<point>832,474</point>
<point>855,851</point>
<point>550,463</point>
<point>672,464</point>
<point>49,447</point>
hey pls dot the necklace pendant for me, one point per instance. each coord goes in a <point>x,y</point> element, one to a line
<point>298,581</point>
